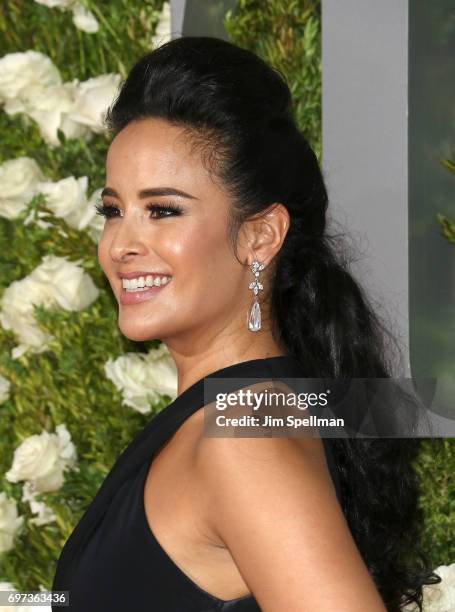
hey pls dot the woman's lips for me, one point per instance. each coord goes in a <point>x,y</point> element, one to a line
<point>135,297</point>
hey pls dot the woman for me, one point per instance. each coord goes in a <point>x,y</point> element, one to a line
<point>208,181</point>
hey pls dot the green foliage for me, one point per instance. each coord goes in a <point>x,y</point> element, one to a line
<point>126,28</point>
<point>435,468</point>
<point>286,34</point>
<point>447,225</point>
<point>449,164</point>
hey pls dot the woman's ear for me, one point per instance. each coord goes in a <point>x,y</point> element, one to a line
<point>264,234</point>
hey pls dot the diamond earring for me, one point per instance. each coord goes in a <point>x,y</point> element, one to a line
<point>254,319</point>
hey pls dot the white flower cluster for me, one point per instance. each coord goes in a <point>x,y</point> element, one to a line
<point>55,282</point>
<point>40,461</point>
<point>142,378</point>
<point>30,83</point>
<point>22,179</point>
<point>83,19</point>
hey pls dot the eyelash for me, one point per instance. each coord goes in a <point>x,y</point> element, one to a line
<point>107,210</point>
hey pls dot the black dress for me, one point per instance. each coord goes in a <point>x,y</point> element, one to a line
<point>112,562</point>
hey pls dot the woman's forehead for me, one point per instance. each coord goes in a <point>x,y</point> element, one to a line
<point>152,144</point>
<point>150,137</point>
<point>153,152</point>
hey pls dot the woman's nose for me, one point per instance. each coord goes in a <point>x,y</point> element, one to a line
<point>128,240</point>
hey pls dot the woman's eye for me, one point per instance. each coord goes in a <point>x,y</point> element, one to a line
<point>165,210</point>
<point>169,209</point>
<point>106,210</point>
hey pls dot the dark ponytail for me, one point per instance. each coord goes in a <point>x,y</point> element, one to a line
<point>237,111</point>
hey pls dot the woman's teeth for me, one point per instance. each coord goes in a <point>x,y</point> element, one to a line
<point>142,283</point>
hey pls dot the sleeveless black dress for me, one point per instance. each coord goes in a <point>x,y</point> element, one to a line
<point>112,562</point>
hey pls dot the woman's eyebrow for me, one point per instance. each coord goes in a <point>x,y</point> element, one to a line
<point>152,191</point>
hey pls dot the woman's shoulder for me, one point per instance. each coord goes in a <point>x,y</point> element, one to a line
<point>275,495</point>
<point>223,458</point>
<point>255,470</point>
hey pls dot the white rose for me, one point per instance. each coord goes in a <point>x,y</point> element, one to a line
<point>44,514</point>
<point>72,288</point>
<point>42,460</point>
<point>10,522</point>
<point>84,19</point>
<point>93,98</point>
<point>128,373</point>
<point>55,281</point>
<point>68,453</point>
<point>16,314</point>
<point>37,460</point>
<point>19,71</point>
<point>18,179</point>
<point>73,129</point>
<point>4,389</point>
<point>92,221</point>
<point>67,199</point>
<point>163,27</point>
<point>49,107</point>
<point>143,378</point>
<point>89,219</point>
<point>162,371</point>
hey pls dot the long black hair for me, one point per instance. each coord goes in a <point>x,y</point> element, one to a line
<point>238,111</point>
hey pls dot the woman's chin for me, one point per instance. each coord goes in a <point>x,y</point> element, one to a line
<point>138,333</point>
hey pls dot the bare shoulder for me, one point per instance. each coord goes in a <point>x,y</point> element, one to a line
<point>273,504</point>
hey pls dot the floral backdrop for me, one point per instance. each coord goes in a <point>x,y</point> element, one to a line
<point>73,390</point>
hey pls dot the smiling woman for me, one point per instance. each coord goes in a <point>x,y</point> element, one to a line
<point>209,181</point>
<point>161,227</point>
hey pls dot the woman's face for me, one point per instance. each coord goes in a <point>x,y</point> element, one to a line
<point>208,288</point>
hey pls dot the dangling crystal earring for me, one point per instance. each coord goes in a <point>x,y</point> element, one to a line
<point>254,319</point>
